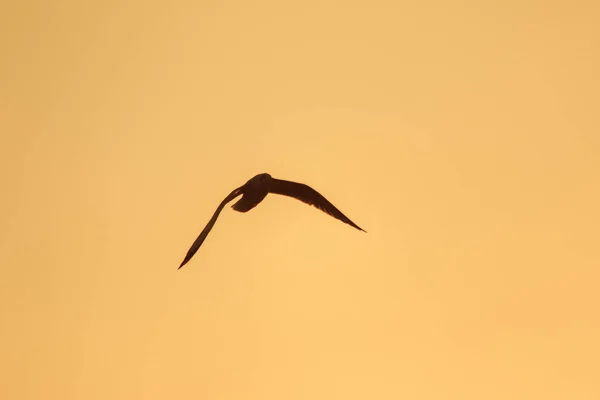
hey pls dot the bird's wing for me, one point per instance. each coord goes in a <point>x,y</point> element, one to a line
<point>309,196</point>
<point>208,227</point>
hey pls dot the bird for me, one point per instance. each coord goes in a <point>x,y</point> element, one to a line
<point>255,190</point>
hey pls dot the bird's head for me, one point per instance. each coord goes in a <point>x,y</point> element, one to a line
<point>262,180</point>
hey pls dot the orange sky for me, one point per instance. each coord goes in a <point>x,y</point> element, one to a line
<point>464,138</point>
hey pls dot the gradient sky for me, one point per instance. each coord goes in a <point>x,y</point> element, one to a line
<point>463,136</point>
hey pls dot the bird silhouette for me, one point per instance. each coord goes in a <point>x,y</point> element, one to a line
<point>255,190</point>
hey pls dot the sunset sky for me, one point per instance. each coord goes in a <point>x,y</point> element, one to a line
<point>464,137</point>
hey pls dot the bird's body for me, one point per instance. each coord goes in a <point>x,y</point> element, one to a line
<point>255,190</point>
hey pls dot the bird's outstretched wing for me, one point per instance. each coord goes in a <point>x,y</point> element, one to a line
<point>208,227</point>
<point>309,196</point>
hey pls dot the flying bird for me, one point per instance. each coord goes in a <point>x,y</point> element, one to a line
<point>255,190</point>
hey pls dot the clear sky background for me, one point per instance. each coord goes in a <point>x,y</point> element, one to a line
<point>463,136</point>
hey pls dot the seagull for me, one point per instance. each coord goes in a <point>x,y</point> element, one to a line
<point>255,190</point>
